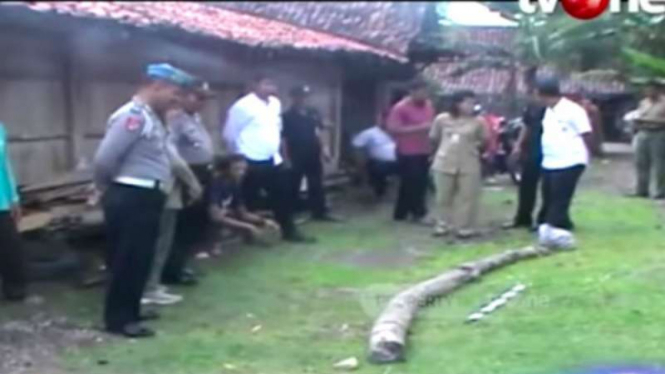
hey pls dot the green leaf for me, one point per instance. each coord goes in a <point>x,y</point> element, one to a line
<point>645,60</point>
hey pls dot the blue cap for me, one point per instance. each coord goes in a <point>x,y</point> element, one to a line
<point>170,74</point>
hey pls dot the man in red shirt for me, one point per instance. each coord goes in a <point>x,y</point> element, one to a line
<point>409,123</point>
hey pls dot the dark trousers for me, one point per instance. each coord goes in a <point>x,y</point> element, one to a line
<point>528,193</point>
<point>12,259</point>
<point>414,178</point>
<point>191,228</point>
<point>274,181</point>
<point>558,191</point>
<point>311,169</point>
<point>378,172</point>
<point>132,217</point>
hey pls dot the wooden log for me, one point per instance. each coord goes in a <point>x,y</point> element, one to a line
<point>387,340</point>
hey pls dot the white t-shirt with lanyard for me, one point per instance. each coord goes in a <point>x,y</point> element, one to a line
<point>563,127</point>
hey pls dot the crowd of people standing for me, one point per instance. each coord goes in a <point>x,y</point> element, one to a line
<point>554,145</point>
<point>163,185</point>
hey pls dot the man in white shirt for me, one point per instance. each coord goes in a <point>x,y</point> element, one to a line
<point>379,151</point>
<point>566,144</point>
<point>253,129</point>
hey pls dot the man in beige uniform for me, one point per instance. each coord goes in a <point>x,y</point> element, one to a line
<point>182,180</point>
<point>650,140</point>
<point>195,146</point>
<point>459,138</point>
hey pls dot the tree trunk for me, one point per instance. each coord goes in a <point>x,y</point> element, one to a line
<point>513,89</point>
<point>388,338</point>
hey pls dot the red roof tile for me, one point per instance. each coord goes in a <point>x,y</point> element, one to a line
<point>210,21</point>
<point>389,25</point>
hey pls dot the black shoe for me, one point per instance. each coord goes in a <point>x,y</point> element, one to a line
<point>298,238</point>
<point>189,272</point>
<point>327,218</point>
<point>15,294</point>
<point>149,315</point>
<point>183,280</point>
<point>133,330</point>
<point>515,225</point>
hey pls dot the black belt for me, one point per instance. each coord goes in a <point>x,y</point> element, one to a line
<point>270,161</point>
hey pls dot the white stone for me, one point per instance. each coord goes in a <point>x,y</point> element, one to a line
<point>349,364</point>
<point>475,317</point>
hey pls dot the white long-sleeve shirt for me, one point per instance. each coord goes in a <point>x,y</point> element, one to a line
<point>253,128</point>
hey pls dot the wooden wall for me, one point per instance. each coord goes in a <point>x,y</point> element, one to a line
<point>56,91</point>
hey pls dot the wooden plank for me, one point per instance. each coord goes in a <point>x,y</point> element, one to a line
<point>40,138</point>
<point>34,221</point>
<point>67,179</point>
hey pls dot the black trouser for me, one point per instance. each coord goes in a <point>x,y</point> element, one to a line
<point>378,172</point>
<point>312,169</point>
<point>12,259</point>
<point>274,181</point>
<point>414,173</point>
<point>528,192</point>
<point>191,228</point>
<point>132,217</point>
<point>558,191</point>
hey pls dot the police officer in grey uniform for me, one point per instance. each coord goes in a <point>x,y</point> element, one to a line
<point>195,146</point>
<point>132,168</point>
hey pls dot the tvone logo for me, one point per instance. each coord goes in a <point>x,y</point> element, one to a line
<point>589,9</point>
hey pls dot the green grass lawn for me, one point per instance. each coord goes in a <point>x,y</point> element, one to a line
<point>600,304</point>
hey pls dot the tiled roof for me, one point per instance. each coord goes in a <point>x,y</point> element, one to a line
<point>198,18</point>
<point>482,81</point>
<point>490,36</point>
<point>495,81</point>
<point>389,25</point>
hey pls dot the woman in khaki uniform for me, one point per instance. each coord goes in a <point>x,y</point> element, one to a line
<point>459,137</point>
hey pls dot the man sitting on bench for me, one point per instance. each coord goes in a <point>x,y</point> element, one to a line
<point>225,203</point>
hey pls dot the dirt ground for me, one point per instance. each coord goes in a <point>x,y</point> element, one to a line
<point>31,341</point>
<point>32,336</point>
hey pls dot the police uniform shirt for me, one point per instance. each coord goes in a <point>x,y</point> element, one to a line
<point>300,132</point>
<point>225,195</point>
<point>192,138</point>
<point>134,146</point>
<point>651,113</point>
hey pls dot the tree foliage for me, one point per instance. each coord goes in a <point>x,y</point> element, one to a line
<point>629,44</point>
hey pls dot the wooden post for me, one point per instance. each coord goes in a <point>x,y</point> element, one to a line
<point>69,94</point>
<point>337,135</point>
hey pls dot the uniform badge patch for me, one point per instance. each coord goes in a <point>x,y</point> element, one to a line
<point>133,123</point>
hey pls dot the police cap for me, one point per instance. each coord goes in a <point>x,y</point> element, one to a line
<point>171,74</point>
